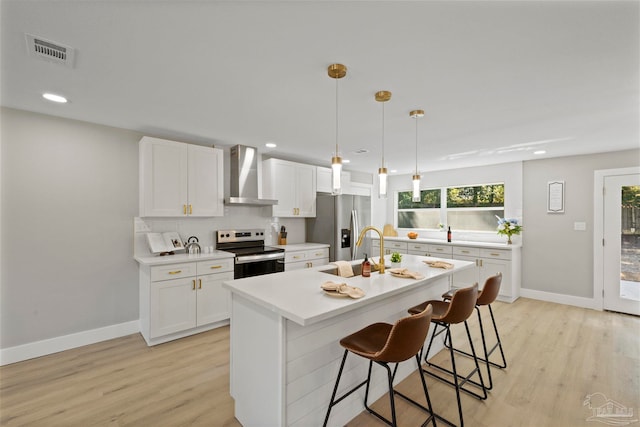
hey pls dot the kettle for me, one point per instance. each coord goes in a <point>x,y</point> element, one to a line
<point>192,248</point>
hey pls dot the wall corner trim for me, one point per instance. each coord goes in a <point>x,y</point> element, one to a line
<point>66,342</point>
<point>560,299</point>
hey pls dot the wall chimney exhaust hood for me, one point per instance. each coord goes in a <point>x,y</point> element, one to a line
<point>243,186</point>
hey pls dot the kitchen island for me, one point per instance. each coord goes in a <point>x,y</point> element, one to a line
<point>285,334</point>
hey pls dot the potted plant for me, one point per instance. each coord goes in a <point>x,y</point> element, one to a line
<point>508,227</point>
<point>396,259</point>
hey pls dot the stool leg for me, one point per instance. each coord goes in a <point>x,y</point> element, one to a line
<point>486,353</point>
<point>495,328</point>
<point>475,360</point>
<point>335,389</point>
<point>426,394</point>
<point>392,399</point>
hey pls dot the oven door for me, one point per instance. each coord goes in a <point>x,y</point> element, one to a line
<point>257,267</point>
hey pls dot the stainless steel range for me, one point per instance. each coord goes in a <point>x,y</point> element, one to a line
<point>253,258</point>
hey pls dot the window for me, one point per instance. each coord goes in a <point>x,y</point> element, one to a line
<point>474,208</point>
<point>422,214</point>
<point>470,208</point>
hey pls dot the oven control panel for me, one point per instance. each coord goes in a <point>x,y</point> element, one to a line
<point>227,236</point>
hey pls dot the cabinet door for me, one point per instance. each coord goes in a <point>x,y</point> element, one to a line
<point>172,306</point>
<point>206,192</point>
<point>468,277</point>
<point>306,191</point>
<point>490,267</point>
<point>213,299</point>
<point>163,177</point>
<point>284,186</point>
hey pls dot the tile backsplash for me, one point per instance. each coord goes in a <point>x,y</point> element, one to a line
<point>235,217</point>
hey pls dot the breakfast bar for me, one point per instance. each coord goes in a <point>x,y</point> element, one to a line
<point>285,331</point>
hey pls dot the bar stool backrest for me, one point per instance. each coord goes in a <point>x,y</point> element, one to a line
<point>461,306</point>
<point>490,290</point>
<point>406,337</point>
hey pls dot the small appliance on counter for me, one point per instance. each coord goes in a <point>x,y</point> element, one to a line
<point>193,246</point>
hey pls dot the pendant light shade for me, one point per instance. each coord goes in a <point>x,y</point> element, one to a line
<point>336,71</point>
<point>382,97</point>
<point>415,197</point>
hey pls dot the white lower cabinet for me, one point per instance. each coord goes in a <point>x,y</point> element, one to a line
<point>390,246</point>
<point>297,260</point>
<point>489,262</point>
<point>182,299</point>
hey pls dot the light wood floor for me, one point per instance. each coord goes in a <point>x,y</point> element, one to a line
<point>557,355</point>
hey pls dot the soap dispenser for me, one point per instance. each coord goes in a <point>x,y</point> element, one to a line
<point>366,267</point>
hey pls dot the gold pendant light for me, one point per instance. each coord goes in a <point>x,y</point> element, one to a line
<point>382,97</point>
<point>416,114</point>
<point>336,71</point>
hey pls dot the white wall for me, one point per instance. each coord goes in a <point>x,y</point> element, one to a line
<point>69,195</point>
<point>557,259</point>
<point>69,191</point>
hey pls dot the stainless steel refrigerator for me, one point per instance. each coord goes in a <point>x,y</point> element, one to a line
<point>338,222</point>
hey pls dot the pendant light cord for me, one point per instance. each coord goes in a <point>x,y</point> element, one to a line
<point>382,134</point>
<point>416,146</point>
<point>336,117</point>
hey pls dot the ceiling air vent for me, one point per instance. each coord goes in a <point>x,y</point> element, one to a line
<point>50,51</point>
<point>361,151</point>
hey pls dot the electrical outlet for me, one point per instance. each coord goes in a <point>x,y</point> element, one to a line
<point>580,226</point>
<point>139,226</point>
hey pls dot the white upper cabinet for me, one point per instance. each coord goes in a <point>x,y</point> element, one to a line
<point>293,185</point>
<point>178,179</point>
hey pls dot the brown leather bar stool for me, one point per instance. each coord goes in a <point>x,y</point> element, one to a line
<point>384,343</point>
<point>487,295</point>
<point>445,314</point>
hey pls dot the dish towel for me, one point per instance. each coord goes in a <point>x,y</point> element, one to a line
<point>342,289</point>
<point>405,273</point>
<point>344,268</point>
<point>439,264</point>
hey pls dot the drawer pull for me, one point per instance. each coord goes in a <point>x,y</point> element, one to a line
<point>494,254</point>
<point>175,272</point>
<point>465,252</point>
<point>296,257</point>
<point>199,283</point>
<point>194,284</point>
<point>319,254</point>
<point>439,249</point>
<point>213,267</point>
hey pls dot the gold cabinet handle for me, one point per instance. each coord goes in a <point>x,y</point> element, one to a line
<point>439,249</point>
<point>213,267</point>
<point>319,254</point>
<point>494,254</point>
<point>465,252</point>
<point>296,257</point>
<point>480,263</point>
<point>194,285</point>
<point>175,272</point>
<point>199,283</point>
<point>190,209</point>
<point>184,209</point>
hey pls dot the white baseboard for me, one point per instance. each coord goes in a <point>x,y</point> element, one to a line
<point>66,342</point>
<point>560,298</point>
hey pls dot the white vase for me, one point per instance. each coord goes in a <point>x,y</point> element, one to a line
<point>396,264</point>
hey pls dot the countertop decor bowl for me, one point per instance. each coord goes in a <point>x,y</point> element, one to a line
<point>412,235</point>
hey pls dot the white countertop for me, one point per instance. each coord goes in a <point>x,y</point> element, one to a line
<point>296,295</point>
<point>301,246</point>
<point>178,258</point>
<point>492,245</point>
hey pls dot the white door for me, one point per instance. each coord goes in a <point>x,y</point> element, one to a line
<point>213,299</point>
<point>621,243</point>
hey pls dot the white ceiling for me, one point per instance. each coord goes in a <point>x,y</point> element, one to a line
<point>498,80</point>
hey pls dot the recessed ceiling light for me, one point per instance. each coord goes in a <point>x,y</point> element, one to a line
<point>54,98</point>
<point>271,145</point>
<point>539,152</point>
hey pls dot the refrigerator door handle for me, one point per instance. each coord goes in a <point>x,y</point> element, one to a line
<point>355,232</point>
